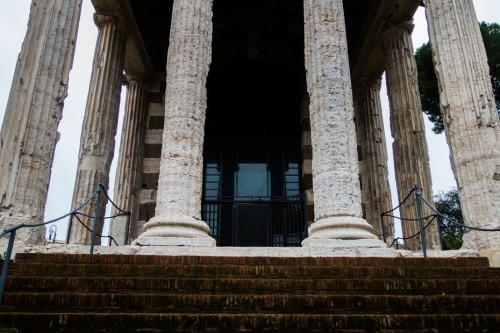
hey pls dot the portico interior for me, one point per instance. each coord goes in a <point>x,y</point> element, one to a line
<point>257,127</point>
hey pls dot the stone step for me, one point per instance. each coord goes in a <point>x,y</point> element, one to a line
<point>253,285</point>
<point>247,303</point>
<point>151,270</point>
<point>222,322</point>
<point>119,293</point>
<point>288,261</point>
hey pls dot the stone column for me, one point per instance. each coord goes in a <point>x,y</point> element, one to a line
<point>469,113</point>
<point>34,109</point>
<point>100,122</point>
<point>373,155</point>
<point>337,202</point>
<point>411,157</point>
<point>128,174</point>
<point>178,208</point>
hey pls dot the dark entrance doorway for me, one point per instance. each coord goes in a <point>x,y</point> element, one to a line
<point>252,152</point>
<point>252,159</point>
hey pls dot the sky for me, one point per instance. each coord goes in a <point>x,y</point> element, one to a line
<point>13,22</point>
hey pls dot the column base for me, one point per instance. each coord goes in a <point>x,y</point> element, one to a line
<point>345,234</point>
<point>24,236</point>
<point>340,228</point>
<point>175,231</point>
<point>481,240</point>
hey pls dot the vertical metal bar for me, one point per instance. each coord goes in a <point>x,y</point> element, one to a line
<point>420,222</point>
<point>6,263</point>
<point>96,218</point>
<point>440,231</point>
<point>127,227</point>
<point>384,235</point>
<point>69,228</point>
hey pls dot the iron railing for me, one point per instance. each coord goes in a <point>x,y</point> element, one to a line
<point>285,217</point>
<point>74,213</point>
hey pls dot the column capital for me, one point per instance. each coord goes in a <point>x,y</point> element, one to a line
<point>102,19</point>
<point>368,82</point>
<point>393,29</point>
<point>128,78</point>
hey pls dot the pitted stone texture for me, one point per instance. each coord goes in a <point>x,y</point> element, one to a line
<point>411,157</point>
<point>337,201</point>
<point>128,175</point>
<point>100,123</point>
<point>34,109</point>
<point>469,114</point>
<point>178,208</point>
<point>371,137</point>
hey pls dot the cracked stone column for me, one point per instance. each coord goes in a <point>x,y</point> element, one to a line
<point>100,123</point>
<point>337,201</point>
<point>127,180</point>
<point>368,109</point>
<point>178,208</point>
<point>411,157</point>
<point>469,114</point>
<point>34,109</point>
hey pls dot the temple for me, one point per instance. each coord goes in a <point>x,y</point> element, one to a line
<point>252,123</point>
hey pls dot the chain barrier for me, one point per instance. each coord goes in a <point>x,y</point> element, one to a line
<point>52,232</point>
<point>435,216</point>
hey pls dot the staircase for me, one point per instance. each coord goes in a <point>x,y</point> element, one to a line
<point>120,293</point>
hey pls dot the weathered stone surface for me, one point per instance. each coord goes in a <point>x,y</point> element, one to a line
<point>411,157</point>
<point>337,205</point>
<point>34,109</point>
<point>100,122</point>
<point>470,118</point>
<point>128,175</point>
<point>178,220</point>
<point>373,166</point>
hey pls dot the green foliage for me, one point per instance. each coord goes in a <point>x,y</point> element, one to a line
<point>427,80</point>
<point>491,38</point>
<point>448,204</point>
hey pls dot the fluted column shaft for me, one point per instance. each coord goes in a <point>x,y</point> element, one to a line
<point>178,207</point>
<point>34,109</point>
<point>337,201</point>
<point>411,157</point>
<point>368,110</point>
<point>100,122</point>
<point>469,113</point>
<point>127,180</point>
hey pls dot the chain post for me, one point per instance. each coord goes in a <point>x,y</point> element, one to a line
<point>70,225</point>
<point>440,232</point>
<point>420,221</point>
<point>384,235</point>
<point>6,263</point>
<point>127,227</point>
<point>96,218</point>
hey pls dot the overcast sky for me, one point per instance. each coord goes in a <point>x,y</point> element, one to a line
<point>13,20</point>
